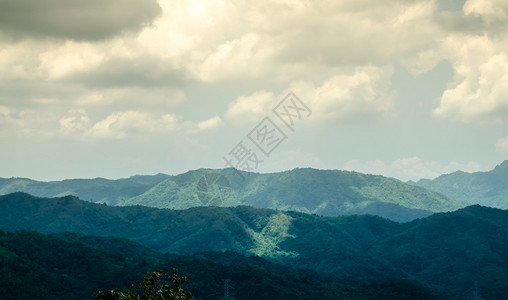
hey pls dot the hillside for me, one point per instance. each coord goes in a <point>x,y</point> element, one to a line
<point>98,190</point>
<point>448,251</point>
<point>484,188</point>
<point>37,266</point>
<point>322,192</point>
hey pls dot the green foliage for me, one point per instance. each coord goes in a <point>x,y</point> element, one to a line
<point>155,286</point>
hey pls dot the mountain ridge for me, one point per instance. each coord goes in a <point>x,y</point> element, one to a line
<point>323,192</point>
<point>308,190</point>
<point>488,188</point>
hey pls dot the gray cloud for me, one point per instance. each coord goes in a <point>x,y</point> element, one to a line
<point>458,22</point>
<point>121,72</point>
<point>75,19</point>
<point>472,24</point>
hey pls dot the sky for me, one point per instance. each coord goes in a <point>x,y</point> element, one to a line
<point>407,89</point>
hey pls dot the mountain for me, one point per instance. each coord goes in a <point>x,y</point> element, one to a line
<point>484,188</point>
<point>97,190</point>
<point>446,251</point>
<point>322,192</point>
<point>70,266</point>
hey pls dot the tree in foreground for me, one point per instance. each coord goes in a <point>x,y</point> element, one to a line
<point>155,286</point>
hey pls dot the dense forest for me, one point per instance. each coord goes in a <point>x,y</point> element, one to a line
<point>38,266</point>
<point>447,252</point>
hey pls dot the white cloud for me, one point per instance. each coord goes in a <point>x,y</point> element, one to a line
<point>493,9</point>
<point>120,125</point>
<point>481,87</point>
<point>474,41</point>
<point>129,124</point>
<point>502,144</point>
<point>365,91</point>
<point>76,121</point>
<point>252,107</point>
<point>221,40</point>
<point>411,168</point>
<point>211,123</point>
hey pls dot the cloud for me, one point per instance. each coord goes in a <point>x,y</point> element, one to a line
<point>74,19</point>
<point>129,124</point>
<point>481,87</point>
<point>491,9</point>
<point>411,168</point>
<point>129,72</point>
<point>217,40</point>
<point>474,41</point>
<point>214,41</point>
<point>210,124</point>
<point>252,107</point>
<point>74,122</point>
<point>364,91</point>
<point>120,125</point>
<point>153,99</point>
<point>502,144</point>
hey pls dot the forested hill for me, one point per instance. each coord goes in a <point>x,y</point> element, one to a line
<point>73,266</point>
<point>97,190</point>
<point>446,251</point>
<point>322,192</point>
<point>484,188</point>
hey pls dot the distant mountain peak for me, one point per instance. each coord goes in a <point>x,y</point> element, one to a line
<point>503,165</point>
<point>488,188</point>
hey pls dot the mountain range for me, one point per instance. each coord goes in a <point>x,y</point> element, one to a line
<point>95,190</point>
<point>485,188</point>
<point>447,252</point>
<point>322,192</point>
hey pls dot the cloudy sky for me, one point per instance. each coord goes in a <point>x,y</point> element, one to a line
<point>404,88</point>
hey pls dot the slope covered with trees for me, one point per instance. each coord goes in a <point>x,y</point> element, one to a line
<point>484,188</point>
<point>322,192</point>
<point>447,251</point>
<point>98,190</point>
<point>37,266</point>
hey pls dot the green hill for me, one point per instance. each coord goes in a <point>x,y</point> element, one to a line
<point>37,266</point>
<point>322,192</point>
<point>97,190</point>
<point>447,251</point>
<point>484,188</point>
